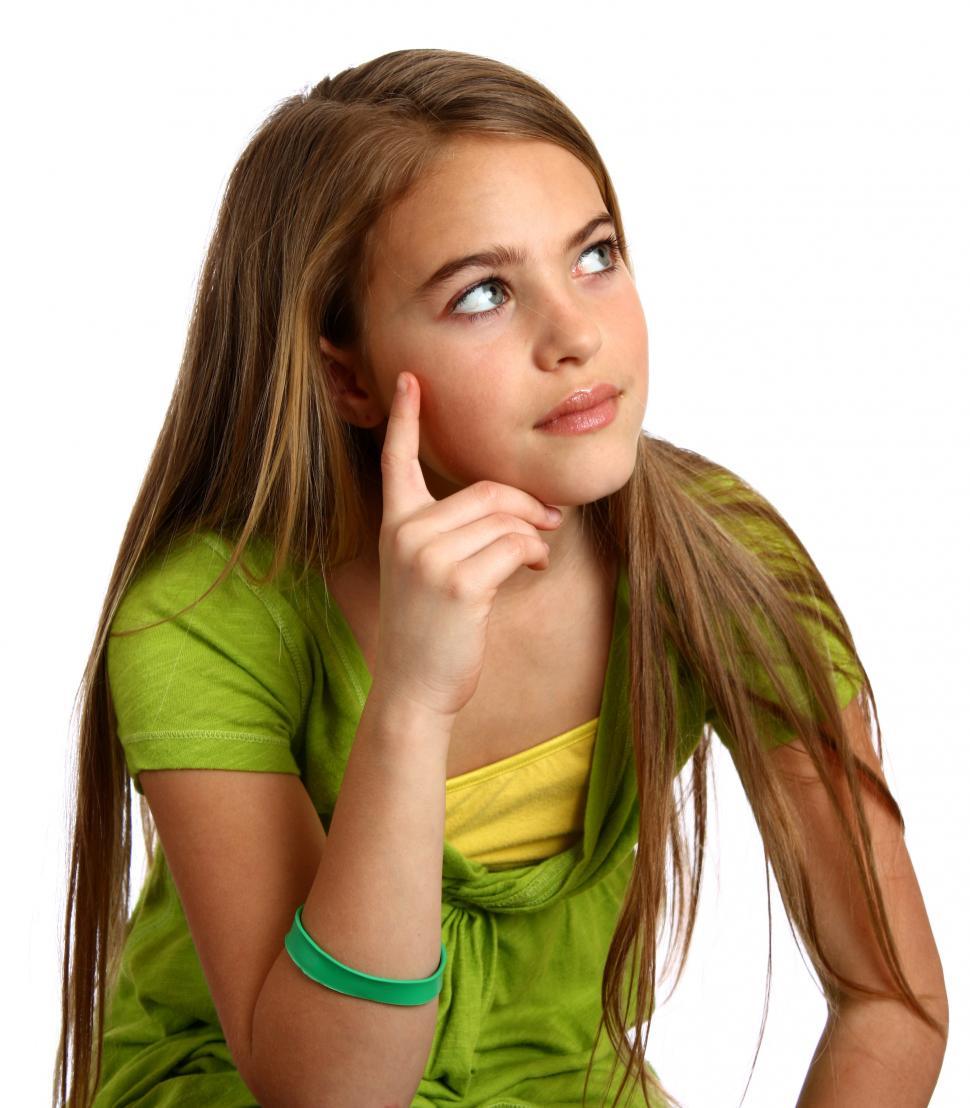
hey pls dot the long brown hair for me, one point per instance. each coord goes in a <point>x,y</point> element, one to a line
<point>251,443</point>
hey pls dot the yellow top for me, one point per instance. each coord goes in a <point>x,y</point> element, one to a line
<point>525,807</point>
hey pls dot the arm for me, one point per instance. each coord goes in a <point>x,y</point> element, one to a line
<point>375,904</point>
<point>873,1057</point>
<point>872,1052</point>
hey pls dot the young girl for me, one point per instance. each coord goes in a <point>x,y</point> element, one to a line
<point>411,741</point>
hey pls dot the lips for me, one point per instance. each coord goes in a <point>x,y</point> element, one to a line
<point>587,397</point>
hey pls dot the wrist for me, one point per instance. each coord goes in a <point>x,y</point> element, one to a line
<point>400,717</point>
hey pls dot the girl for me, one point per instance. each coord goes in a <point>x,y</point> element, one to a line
<point>343,626</point>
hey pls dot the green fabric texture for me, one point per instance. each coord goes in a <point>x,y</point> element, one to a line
<point>271,679</point>
<point>776,551</point>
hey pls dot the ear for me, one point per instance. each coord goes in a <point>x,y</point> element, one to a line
<point>353,392</point>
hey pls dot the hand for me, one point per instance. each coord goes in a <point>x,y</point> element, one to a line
<point>441,565</point>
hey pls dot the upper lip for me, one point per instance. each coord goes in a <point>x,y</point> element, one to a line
<point>586,397</point>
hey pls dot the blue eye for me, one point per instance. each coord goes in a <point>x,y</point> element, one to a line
<point>614,245</point>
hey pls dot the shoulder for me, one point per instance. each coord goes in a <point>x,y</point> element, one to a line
<point>708,482</point>
<point>743,515</point>
<point>189,565</point>
<point>185,586</point>
<point>171,576</point>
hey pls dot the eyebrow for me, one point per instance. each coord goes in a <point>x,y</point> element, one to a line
<point>497,256</point>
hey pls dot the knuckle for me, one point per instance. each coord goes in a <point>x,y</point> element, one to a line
<point>402,540</point>
<point>487,491</point>
<point>520,543</point>
<point>457,586</point>
<point>425,560</point>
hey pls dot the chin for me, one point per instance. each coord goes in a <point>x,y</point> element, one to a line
<point>588,487</point>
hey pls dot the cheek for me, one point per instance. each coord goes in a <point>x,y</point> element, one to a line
<point>466,388</point>
<point>630,330</point>
<point>459,425</point>
<point>630,321</point>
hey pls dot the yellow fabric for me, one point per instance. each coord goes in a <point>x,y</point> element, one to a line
<point>525,807</point>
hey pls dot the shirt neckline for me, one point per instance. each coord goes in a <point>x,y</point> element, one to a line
<point>352,655</point>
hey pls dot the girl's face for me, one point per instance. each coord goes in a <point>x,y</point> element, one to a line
<point>496,346</point>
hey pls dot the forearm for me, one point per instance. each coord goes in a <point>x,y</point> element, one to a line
<point>873,1055</point>
<point>375,905</point>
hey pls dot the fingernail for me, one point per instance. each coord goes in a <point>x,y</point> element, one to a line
<point>402,383</point>
<point>553,513</point>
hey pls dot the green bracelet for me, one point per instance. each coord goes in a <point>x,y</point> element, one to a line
<point>319,966</point>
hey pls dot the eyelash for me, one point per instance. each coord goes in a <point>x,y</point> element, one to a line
<point>616,244</point>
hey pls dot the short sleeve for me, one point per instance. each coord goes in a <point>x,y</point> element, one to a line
<point>217,687</point>
<point>781,553</point>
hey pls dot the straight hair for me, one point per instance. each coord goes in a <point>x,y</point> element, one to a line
<point>252,444</point>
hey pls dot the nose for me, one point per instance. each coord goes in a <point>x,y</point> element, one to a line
<point>566,326</point>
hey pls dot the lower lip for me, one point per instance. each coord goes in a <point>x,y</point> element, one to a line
<point>588,420</point>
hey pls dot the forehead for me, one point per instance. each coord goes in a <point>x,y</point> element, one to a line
<point>483,190</point>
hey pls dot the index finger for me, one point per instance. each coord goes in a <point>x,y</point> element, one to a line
<point>403,479</point>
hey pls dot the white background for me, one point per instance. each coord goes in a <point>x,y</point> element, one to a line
<point>794,183</point>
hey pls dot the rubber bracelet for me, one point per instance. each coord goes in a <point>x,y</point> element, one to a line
<point>321,967</point>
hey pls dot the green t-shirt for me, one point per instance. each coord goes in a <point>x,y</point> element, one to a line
<point>272,679</point>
